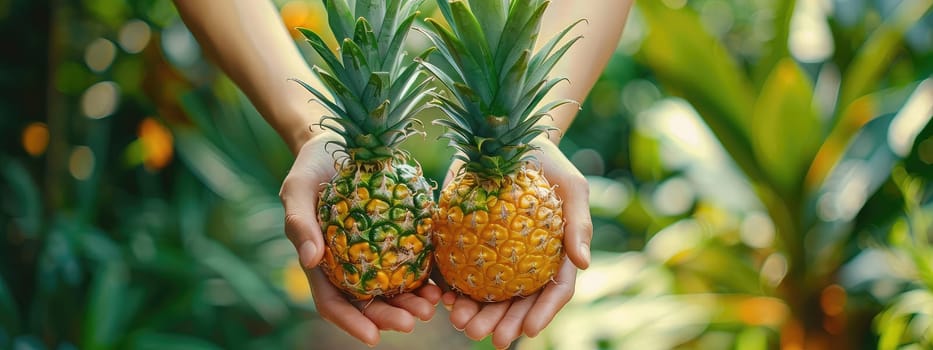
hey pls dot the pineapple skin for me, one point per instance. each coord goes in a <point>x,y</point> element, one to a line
<point>377,221</point>
<point>499,238</point>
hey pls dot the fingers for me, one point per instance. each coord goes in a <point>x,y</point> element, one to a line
<point>301,225</point>
<point>334,307</point>
<point>299,197</point>
<point>430,292</point>
<point>574,190</point>
<point>448,299</point>
<point>486,320</point>
<point>552,299</point>
<point>415,305</point>
<point>510,327</point>
<point>463,311</point>
<point>386,316</point>
<point>578,229</point>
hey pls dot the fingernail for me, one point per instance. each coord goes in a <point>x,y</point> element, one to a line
<point>306,254</point>
<point>585,252</point>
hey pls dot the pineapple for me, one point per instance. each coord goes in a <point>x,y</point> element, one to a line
<point>499,222</point>
<point>376,212</point>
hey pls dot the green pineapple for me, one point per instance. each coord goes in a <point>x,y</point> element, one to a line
<point>499,222</point>
<point>376,212</point>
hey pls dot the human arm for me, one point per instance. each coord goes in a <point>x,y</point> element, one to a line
<point>248,40</point>
<point>250,43</point>
<point>582,65</point>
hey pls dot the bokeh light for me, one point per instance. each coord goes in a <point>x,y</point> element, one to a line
<point>100,100</point>
<point>35,138</point>
<point>762,311</point>
<point>589,162</point>
<point>295,282</point>
<point>757,230</point>
<point>673,197</point>
<point>774,269</point>
<point>179,45</point>
<point>99,54</point>
<point>306,14</point>
<point>81,162</point>
<point>717,17</point>
<point>810,38</point>
<point>833,300</point>
<point>134,36</point>
<point>156,142</point>
<point>674,242</point>
<point>908,122</point>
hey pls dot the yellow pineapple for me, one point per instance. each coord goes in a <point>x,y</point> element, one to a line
<point>376,212</point>
<point>499,222</point>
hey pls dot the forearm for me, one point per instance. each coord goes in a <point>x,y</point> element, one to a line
<point>586,59</point>
<point>248,40</point>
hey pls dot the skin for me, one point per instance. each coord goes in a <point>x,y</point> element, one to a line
<point>508,320</point>
<point>261,59</point>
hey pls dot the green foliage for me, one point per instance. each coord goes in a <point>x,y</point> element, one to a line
<point>734,185</point>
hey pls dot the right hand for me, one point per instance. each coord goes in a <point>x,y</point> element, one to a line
<point>314,165</point>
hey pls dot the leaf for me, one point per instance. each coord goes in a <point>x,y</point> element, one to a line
<point>515,80</point>
<point>776,47</point>
<point>862,111</point>
<point>246,282</point>
<point>494,12</point>
<point>395,46</point>
<point>340,18</point>
<point>212,166</point>
<point>689,62</point>
<point>521,27</point>
<point>319,46</point>
<point>471,71</point>
<point>106,318</point>
<point>786,131</point>
<point>471,35</point>
<point>865,166</point>
<point>874,56</point>
<point>374,11</point>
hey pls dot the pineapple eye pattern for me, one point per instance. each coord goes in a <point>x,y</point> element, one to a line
<point>500,213</point>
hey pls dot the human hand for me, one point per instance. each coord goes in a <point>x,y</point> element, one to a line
<point>507,320</point>
<point>363,320</point>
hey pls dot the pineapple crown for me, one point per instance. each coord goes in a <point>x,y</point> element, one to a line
<point>375,88</point>
<point>497,80</point>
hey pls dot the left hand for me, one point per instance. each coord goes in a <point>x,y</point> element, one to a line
<point>507,320</point>
<point>361,319</point>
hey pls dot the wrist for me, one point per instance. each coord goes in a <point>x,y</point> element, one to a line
<point>299,124</point>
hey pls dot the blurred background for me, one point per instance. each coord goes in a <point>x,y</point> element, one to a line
<point>761,175</point>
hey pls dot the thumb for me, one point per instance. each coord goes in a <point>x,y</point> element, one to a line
<point>301,225</point>
<point>578,229</point>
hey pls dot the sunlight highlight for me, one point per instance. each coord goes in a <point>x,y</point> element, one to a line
<point>100,54</point>
<point>908,122</point>
<point>100,100</point>
<point>134,36</point>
